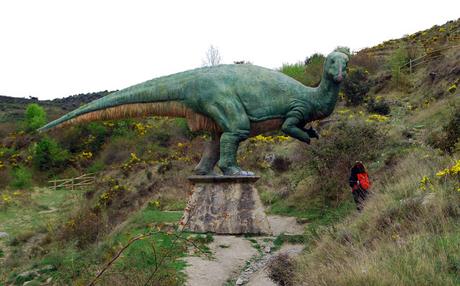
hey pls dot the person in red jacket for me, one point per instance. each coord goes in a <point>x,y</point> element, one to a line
<point>360,184</point>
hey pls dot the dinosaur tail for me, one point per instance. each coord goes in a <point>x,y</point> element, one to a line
<point>161,96</point>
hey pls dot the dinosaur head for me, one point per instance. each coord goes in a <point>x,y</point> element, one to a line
<point>335,66</point>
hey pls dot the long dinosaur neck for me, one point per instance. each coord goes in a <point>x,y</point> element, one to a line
<point>326,95</point>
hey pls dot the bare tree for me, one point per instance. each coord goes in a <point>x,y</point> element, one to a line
<point>213,57</point>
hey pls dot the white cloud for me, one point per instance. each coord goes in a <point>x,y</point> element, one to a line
<point>57,48</point>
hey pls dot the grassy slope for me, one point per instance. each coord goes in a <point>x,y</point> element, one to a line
<point>343,248</point>
<point>408,233</point>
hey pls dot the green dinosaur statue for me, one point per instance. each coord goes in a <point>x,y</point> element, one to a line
<point>233,102</point>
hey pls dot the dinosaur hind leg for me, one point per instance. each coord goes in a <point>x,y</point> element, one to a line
<point>210,156</point>
<point>231,116</point>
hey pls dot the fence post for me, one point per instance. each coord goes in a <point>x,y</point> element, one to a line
<point>410,66</point>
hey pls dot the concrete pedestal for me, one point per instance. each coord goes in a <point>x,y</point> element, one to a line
<point>224,205</point>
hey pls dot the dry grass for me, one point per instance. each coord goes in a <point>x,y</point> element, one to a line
<point>403,237</point>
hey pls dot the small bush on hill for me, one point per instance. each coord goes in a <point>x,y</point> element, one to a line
<point>48,155</point>
<point>447,138</point>
<point>332,158</point>
<point>85,137</point>
<point>281,270</point>
<point>364,60</point>
<point>381,106</point>
<point>84,228</point>
<point>452,130</point>
<point>308,73</point>
<point>396,62</point>
<point>356,86</point>
<point>314,69</point>
<point>117,151</point>
<point>4,177</point>
<point>296,71</point>
<point>21,178</point>
<point>35,117</point>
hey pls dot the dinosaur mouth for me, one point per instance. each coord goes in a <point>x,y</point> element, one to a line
<point>339,78</point>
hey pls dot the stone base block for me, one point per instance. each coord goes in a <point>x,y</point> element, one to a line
<point>224,205</point>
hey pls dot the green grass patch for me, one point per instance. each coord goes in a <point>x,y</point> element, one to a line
<point>315,215</point>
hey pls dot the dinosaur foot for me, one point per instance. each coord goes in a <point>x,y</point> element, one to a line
<point>205,173</point>
<point>235,171</point>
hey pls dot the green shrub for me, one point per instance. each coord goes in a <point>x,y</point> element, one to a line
<point>332,158</point>
<point>21,178</point>
<point>97,133</point>
<point>48,155</point>
<point>87,137</point>
<point>356,86</point>
<point>396,62</point>
<point>381,107</point>
<point>314,69</point>
<point>35,117</point>
<point>447,137</point>
<point>296,71</point>
<point>308,73</point>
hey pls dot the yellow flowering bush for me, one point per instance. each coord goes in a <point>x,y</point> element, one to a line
<point>85,155</point>
<point>377,118</point>
<point>132,161</point>
<point>452,171</point>
<point>155,204</point>
<point>6,198</point>
<point>452,88</point>
<point>426,184</point>
<point>108,123</point>
<point>115,190</point>
<point>88,140</point>
<point>269,139</point>
<point>141,128</point>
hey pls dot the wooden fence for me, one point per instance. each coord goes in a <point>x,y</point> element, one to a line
<point>77,183</point>
<point>412,63</point>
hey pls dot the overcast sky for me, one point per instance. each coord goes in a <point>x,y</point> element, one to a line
<point>52,49</point>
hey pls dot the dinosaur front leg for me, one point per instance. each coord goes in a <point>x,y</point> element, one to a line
<point>210,156</point>
<point>290,127</point>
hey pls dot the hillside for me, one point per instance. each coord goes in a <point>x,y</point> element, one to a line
<point>399,113</point>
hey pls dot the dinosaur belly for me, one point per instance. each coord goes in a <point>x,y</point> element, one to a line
<point>198,121</point>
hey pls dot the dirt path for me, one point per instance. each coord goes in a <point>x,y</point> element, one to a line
<point>237,259</point>
<point>229,252</point>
